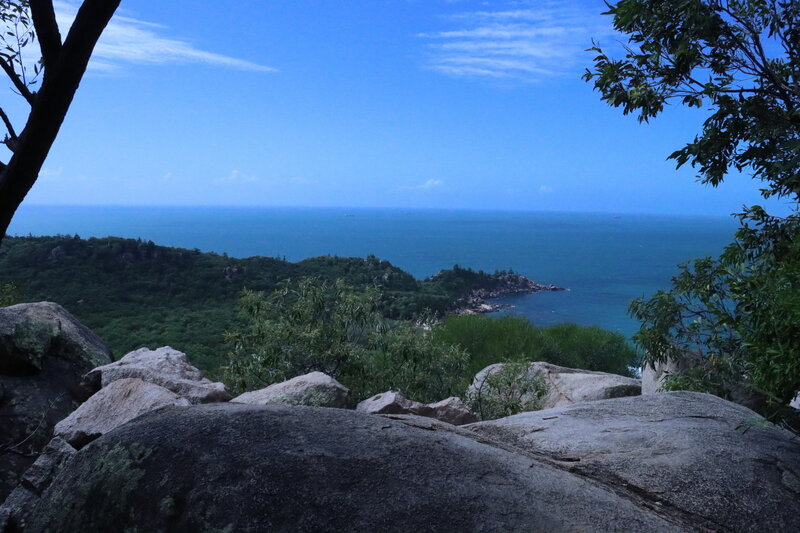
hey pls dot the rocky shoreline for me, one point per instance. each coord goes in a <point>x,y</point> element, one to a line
<point>475,302</point>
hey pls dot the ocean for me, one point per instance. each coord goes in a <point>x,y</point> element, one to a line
<point>604,260</point>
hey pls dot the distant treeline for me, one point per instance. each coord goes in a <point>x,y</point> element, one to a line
<point>135,293</point>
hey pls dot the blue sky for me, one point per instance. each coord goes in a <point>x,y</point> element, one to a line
<point>396,103</point>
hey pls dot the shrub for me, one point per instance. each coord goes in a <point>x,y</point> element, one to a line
<point>509,338</point>
<point>507,391</point>
<point>406,359</point>
<point>333,328</point>
<point>299,328</point>
<point>9,294</point>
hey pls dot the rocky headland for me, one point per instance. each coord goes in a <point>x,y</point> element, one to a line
<point>477,301</point>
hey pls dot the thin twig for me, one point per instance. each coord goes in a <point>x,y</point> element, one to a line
<point>15,79</point>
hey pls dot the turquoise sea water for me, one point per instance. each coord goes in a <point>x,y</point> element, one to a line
<point>605,260</point>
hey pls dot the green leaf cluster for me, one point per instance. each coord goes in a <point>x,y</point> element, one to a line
<point>506,392</point>
<point>740,313</point>
<point>738,58</point>
<point>9,294</point>
<point>516,339</point>
<point>313,325</point>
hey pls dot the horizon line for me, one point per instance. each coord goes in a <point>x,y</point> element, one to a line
<point>379,207</point>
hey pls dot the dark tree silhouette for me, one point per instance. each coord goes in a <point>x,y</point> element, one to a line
<point>61,68</point>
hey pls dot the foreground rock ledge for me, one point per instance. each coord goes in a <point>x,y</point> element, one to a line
<point>710,461</point>
<point>281,468</point>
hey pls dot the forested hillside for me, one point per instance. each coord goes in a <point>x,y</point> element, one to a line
<point>135,293</point>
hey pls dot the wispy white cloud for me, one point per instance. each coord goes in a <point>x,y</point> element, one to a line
<point>48,172</point>
<point>431,184</point>
<point>237,177</point>
<point>532,41</point>
<point>131,41</point>
<point>545,189</point>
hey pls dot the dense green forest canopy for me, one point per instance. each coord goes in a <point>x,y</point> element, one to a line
<point>135,293</point>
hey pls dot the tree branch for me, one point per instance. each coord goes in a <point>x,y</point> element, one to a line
<point>21,87</point>
<point>44,21</point>
<point>11,133</point>
<point>50,104</point>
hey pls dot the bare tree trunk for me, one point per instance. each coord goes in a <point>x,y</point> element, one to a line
<point>64,66</point>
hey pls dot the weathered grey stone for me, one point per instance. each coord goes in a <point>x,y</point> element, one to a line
<point>653,375</point>
<point>451,410</point>
<point>31,332</point>
<point>14,510</point>
<point>709,462</point>
<point>566,386</point>
<point>315,389</point>
<point>391,403</point>
<point>166,367</point>
<point>35,480</point>
<point>287,468</point>
<point>41,473</point>
<point>44,352</point>
<point>115,404</point>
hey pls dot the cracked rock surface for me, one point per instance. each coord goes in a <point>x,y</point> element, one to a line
<point>705,461</point>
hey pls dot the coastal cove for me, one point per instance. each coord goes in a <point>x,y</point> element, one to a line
<point>604,260</point>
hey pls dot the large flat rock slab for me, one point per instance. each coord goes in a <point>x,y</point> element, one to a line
<point>710,461</point>
<point>234,467</point>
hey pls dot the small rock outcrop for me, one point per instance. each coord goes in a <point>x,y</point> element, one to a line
<point>653,375</point>
<point>122,400</point>
<point>44,353</point>
<point>498,286</point>
<point>707,462</point>
<point>287,468</point>
<point>166,367</point>
<point>451,410</point>
<point>314,389</point>
<point>565,386</point>
<point>391,403</point>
